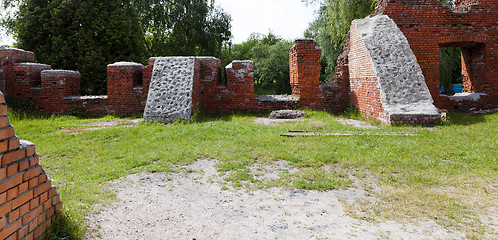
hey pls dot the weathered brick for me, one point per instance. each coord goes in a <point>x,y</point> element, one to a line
<point>42,188</point>
<point>12,169</point>
<point>31,173</point>
<point>13,181</point>
<point>13,156</point>
<point>31,215</point>
<point>13,144</point>
<point>22,199</point>
<point>13,215</point>
<point>5,208</point>
<point>6,133</point>
<point>8,231</point>
<point>12,193</point>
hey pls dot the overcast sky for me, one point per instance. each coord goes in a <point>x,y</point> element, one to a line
<point>285,18</point>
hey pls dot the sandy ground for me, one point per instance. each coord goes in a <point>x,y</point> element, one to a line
<point>196,204</point>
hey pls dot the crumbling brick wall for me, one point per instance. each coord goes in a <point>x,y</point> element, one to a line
<point>386,81</point>
<point>125,87</point>
<point>429,25</point>
<point>28,201</point>
<point>304,64</point>
<point>57,92</point>
<point>55,86</point>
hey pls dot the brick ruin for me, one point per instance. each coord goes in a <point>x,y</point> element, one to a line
<point>472,25</point>
<point>57,91</point>
<point>28,201</point>
<point>427,26</point>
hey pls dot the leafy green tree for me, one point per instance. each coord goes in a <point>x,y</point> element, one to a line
<point>450,68</point>
<point>271,65</point>
<point>82,35</point>
<point>270,54</point>
<point>183,27</point>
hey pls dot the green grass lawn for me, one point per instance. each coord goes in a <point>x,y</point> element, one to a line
<point>447,173</point>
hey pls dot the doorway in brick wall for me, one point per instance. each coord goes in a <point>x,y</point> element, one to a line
<point>450,70</point>
<point>462,68</point>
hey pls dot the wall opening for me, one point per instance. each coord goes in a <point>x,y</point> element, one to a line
<point>463,66</point>
<point>450,70</point>
<point>138,80</point>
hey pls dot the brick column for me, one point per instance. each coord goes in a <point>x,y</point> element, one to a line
<point>2,81</point>
<point>55,85</point>
<point>240,81</point>
<point>21,76</point>
<point>125,87</point>
<point>210,79</point>
<point>304,63</point>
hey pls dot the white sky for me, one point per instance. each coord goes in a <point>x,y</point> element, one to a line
<point>285,18</point>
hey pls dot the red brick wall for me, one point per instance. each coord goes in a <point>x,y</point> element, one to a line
<point>8,59</point>
<point>240,83</point>
<point>364,85</point>
<point>128,86</point>
<point>429,25</point>
<point>125,88</point>
<point>210,79</point>
<point>2,80</point>
<point>27,81</point>
<point>28,201</point>
<point>55,85</point>
<point>304,63</point>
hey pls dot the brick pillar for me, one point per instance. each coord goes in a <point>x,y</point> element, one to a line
<point>210,79</point>
<point>55,85</point>
<point>27,78</point>
<point>2,81</point>
<point>240,81</point>
<point>9,58</point>
<point>125,87</point>
<point>28,201</point>
<point>304,63</point>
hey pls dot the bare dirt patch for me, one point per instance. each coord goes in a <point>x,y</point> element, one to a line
<point>356,123</point>
<point>273,121</point>
<point>97,125</point>
<point>196,203</point>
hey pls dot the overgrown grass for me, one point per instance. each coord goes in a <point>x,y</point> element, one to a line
<point>447,173</point>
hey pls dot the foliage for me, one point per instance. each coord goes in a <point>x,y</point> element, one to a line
<point>450,68</point>
<point>270,54</point>
<point>80,35</point>
<point>271,65</point>
<point>331,26</point>
<point>183,27</point>
<point>319,31</point>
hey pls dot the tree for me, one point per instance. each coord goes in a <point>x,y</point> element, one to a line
<point>183,27</point>
<point>80,35</point>
<point>270,54</point>
<point>318,30</point>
